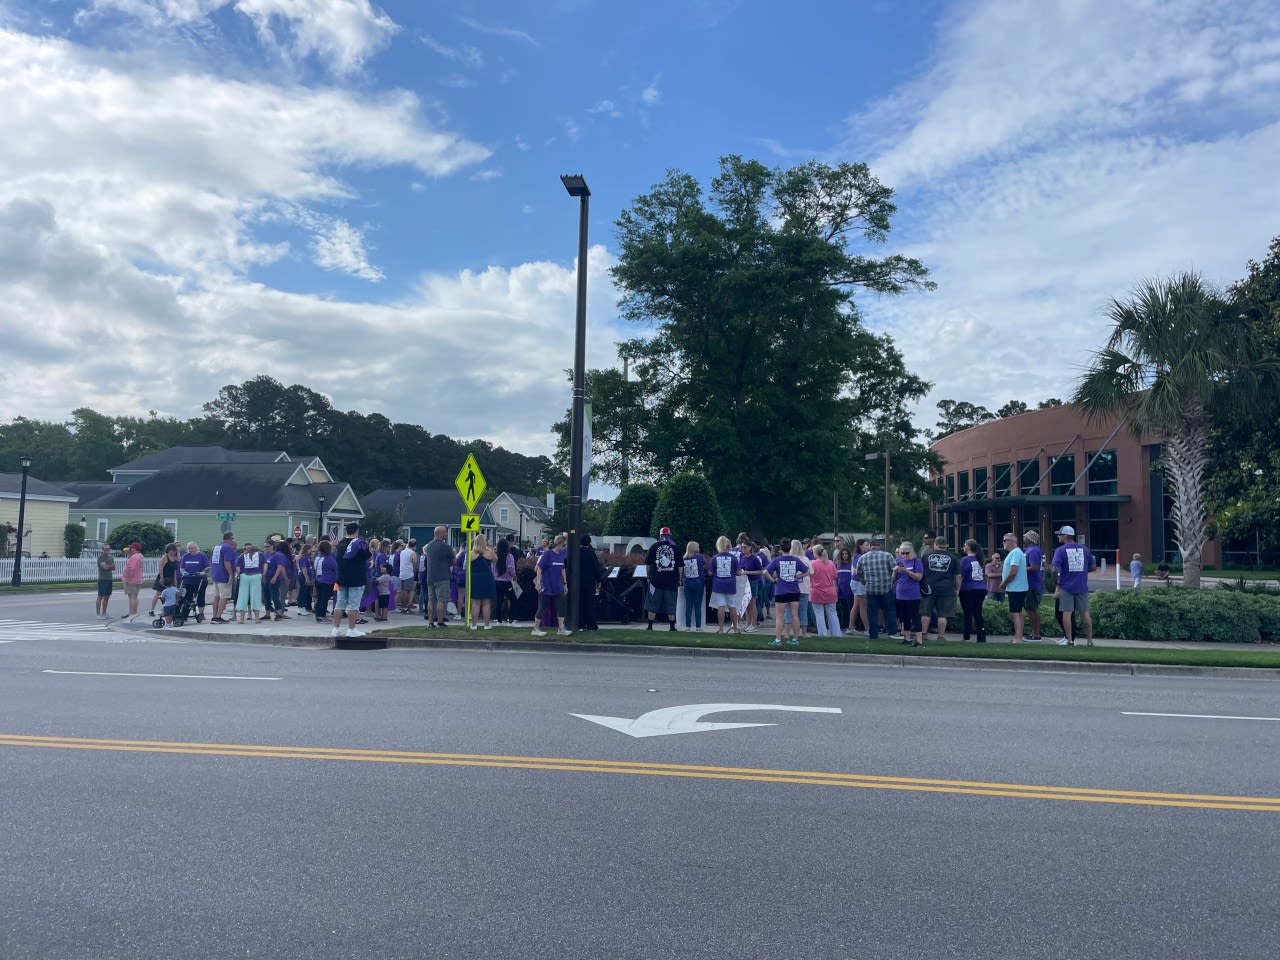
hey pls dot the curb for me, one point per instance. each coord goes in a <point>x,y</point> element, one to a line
<point>723,653</point>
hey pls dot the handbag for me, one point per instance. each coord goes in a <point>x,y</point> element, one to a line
<point>925,589</point>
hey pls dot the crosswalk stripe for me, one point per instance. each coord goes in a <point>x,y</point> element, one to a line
<point>13,630</point>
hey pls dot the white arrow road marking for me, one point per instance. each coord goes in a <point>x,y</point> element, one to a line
<point>1193,716</point>
<point>166,676</point>
<point>687,718</point>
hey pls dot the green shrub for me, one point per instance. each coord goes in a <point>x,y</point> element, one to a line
<point>153,536</point>
<point>688,505</point>
<point>1180,613</point>
<point>632,512</point>
<point>73,539</point>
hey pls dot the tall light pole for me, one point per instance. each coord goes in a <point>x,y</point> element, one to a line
<point>883,455</point>
<point>323,529</point>
<point>576,185</point>
<point>22,522</point>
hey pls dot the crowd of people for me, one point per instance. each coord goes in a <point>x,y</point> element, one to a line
<point>859,589</point>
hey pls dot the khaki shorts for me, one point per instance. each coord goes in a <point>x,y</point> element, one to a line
<point>438,591</point>
<point>131,589</point>
<point>222,591</point>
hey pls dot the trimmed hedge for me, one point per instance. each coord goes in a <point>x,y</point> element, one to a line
<point>1172,613</point>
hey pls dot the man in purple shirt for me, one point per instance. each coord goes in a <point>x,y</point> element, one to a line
<point>192,568</point>
<point>222,573</point>
<point>1035,581</point>
<point>1073,562</point>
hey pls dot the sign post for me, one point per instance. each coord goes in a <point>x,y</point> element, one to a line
<point>470,485</point>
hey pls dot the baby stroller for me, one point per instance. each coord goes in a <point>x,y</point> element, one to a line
<point>187,602</point>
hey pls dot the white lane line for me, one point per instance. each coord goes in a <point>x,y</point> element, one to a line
<point>8,641</point>
<point>1194,716</point>
<point>167,676</point>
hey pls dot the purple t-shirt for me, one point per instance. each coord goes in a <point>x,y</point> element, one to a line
<point>695,568</point>
<point>904,587</point>
<point>276,561</point>
<point>551,563</point>
<point>844,581</point>
<point>724,573</point>
<point>752,563</point>
<point>193,564</point>
<point>326,568</point>
<point>972,576</point>
<point>788,570</point>
<point>249,564</point>
<point>221,554</point>
<point>1073,561</point>
<point>1035,578</point>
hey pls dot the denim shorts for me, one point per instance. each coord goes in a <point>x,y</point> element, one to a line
<point>349,599</point>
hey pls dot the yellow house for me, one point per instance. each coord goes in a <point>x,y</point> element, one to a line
<point>46,516</point>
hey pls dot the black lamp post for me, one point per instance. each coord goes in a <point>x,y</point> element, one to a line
<point>22,522</point>
<point>323,528</point>
<point>576,185</point>
<point>883,454</point>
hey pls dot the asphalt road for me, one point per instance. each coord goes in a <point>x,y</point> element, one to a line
<point>485,820</point>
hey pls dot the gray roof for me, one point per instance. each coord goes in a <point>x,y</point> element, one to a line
<point>86,491</point>
<point>423,508</point>
<point>177,456</point>
<point>225,486</point>
<point>11,486</point>
<point>532,505</point>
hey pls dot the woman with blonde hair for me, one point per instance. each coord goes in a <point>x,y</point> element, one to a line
<point>724,584</point>
<point>693,577</point>
<point>484,585</point>
<point>908,572</point>
<point>823,593</point>
<point>549,582</point>
<point>786,571</point>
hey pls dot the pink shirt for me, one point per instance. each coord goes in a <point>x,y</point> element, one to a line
<point>132,569</point>
<point>823,578</point>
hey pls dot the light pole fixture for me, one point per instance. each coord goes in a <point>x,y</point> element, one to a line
<point>883,455</point>
<point>323,529</point>
<point>576,185</point>
<point>22,523</point>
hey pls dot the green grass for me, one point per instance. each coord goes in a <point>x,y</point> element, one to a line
<point>90,586</point>
<point>1265,657</point>
<point>1241,574</point>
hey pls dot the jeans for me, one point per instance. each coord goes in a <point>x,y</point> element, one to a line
<point>304,595</point>
<point>971,604</point>
<point>694,591</point>
<point>802,612</point>
<point>324,593</point>
<point>828,620</point>
<point>877,602</point>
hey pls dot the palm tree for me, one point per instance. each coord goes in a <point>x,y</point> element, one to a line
<point>1176,345</point>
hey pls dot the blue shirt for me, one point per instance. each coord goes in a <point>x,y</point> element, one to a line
<point>1019,583</point>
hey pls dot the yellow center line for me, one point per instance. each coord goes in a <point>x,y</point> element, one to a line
<point>976,788</point>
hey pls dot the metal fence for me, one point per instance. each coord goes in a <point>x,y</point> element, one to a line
<point>60,569</point>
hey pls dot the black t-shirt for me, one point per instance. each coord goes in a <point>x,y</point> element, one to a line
<point>353,562</point>
<point>663,564</point>
<point>940,571</point>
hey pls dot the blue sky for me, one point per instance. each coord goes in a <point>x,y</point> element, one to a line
<point>365,197</point>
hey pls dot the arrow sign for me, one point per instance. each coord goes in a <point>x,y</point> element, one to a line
<point>688,718</point>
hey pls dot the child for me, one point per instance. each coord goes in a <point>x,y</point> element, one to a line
<point>170,599</point>
<point>1135,570</point>
<point>384,592</point>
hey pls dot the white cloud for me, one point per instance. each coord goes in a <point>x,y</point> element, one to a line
<point>466,54</point>
<point>651,96</point>
<point>605,107</point>
<point>499,31</point>
<point>344,33</point>
<point>571,130</point>
<point>1055,155</point>
<point>340,246</point>
<point>484,176</point>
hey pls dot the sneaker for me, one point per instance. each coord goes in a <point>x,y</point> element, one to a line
<point>475,626</point>
<point>334,632</point>
<point>564,633</point>
<point>539,633</point>
<point>488,626</point>
<point>793,641</point>
<point>775,642</point>
<point>1062,642</point>
<point>896,636</point>
<point>355,632</point>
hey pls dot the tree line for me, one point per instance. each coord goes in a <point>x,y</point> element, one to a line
<point>368,451</point>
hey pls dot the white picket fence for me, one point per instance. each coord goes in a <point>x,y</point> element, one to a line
<point>59,569</point>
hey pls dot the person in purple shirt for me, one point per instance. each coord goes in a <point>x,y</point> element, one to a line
<point>1035,582</point>
<point>693,583</point>
<point>973,590</point>
<point>844,587</point>
<point>1073,562</point>
<point>193,569</point>
<point>223,574</point>
<point>549,582</point>
<point>786,570</point>
<point>326,576</point>
<point>724,584</point>
<point>274,582</point>
<point>751,566</point>
<point>908,571</point>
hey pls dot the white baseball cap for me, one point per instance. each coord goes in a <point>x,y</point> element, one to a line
<point>1067,531</point>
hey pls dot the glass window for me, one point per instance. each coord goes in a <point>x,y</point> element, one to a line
<point>1104,530</point>
<point>962,531</point>
<point>1028,477</point>
<point>1031,521</point>
<point>951,487</point>
<point>980,491</point>
<point>1102,474</point>
<point>1003,480</point>
<point>102,530</point>
<point>1063,514</point>
<point>172,527</point>
<point>502,515</point>
<point>1062,474</point>
<point>981,532</point>
<point>962,481</point>
<point>1004,520</point>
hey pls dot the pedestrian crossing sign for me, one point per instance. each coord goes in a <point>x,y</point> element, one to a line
<point>470,483</point>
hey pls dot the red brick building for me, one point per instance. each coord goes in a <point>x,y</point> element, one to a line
<point>1045,468</point>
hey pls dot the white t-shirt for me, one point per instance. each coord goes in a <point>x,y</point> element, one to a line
<point>406,564</point>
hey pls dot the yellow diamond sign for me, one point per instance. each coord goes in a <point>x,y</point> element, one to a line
<point>470,482</point>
